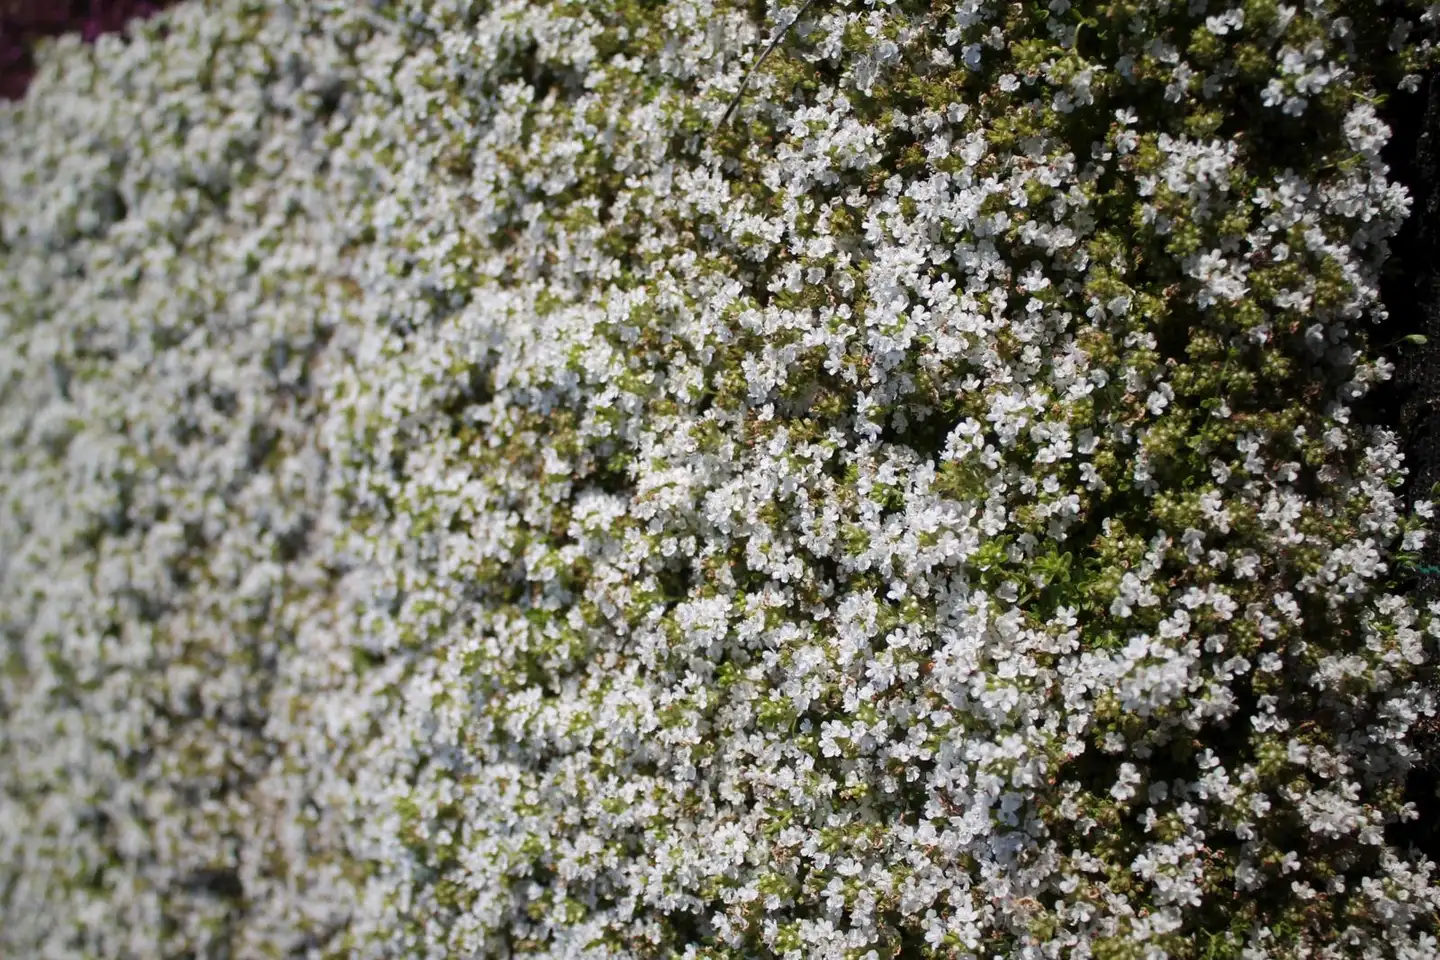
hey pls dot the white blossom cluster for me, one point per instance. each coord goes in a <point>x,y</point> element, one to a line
<point>458,502</point>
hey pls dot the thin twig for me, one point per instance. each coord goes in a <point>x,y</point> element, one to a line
<point>756,66</point>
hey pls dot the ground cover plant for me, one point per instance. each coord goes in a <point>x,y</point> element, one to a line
<point>459,499</point>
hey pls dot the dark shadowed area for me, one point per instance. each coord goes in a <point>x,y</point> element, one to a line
<point>1412,294</point>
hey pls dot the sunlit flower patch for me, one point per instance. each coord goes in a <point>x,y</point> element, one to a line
<point>462,500</point>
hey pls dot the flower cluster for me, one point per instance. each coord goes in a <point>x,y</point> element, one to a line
<point>460,500</point>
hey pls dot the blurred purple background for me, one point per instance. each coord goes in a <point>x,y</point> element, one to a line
<point>24,21</point>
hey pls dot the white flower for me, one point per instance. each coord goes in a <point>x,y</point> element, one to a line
<point>457,504</point>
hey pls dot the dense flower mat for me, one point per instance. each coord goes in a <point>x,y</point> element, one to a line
<point>458,502</point>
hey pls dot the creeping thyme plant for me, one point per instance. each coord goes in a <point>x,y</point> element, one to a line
<point>458,502</point>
